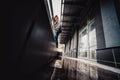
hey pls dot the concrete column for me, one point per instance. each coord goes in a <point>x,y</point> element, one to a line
<point>111,27</point>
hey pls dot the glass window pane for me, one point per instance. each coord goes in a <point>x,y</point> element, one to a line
<point>92,35</point>
<point>84,44</point>
<point>92,41</point>
<point>83,52</point>
<point>92,53</point>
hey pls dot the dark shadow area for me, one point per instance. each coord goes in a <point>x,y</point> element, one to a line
<point>27,41</point>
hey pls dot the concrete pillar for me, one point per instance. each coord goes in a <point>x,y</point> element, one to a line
<point>111,27</point>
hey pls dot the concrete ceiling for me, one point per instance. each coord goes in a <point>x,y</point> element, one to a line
<point>71,17</point>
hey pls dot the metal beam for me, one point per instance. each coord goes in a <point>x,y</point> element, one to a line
<point>69,15</point>
<point>66,26</point>
<point>74,4</point>
<point>68,22</point>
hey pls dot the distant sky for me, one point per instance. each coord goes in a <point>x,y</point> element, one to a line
<point>56,7</point>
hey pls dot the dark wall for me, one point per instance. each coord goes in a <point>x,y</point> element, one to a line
<point>107,56</point>
<point>117,6</point>
<point>27,40</point>
<point>99,29</point>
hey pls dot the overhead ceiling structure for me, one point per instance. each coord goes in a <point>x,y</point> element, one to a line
<point>71,14</point>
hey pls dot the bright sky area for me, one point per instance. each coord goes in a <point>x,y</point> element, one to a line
<point>56,7</point>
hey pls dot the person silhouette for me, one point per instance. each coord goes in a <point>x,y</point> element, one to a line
<point>57,29</point>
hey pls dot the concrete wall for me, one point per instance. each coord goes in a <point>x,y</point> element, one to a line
<point>110,22</point>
